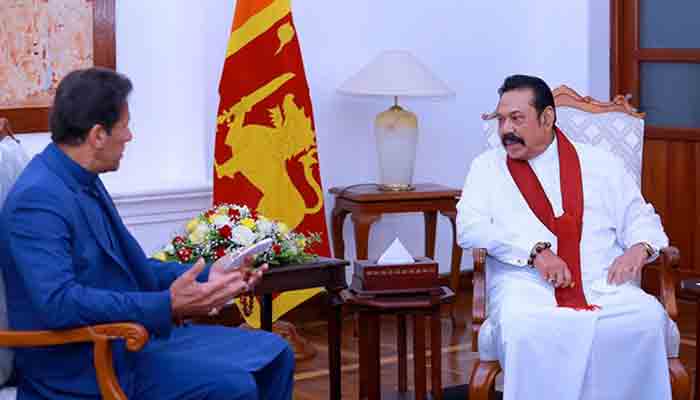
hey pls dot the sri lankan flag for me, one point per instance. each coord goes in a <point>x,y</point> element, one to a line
<point>265,152</point>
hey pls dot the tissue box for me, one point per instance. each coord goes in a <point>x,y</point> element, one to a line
<point>422,274</point>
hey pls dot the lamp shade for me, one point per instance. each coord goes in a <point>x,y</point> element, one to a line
<point>395,73</point>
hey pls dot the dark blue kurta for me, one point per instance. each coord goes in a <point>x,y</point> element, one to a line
<point>69,261</point>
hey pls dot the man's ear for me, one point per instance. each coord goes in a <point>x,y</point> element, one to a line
<point>96,136</point>
<point>547,117</point>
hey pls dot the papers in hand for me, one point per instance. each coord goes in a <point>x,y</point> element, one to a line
<point>395,254</point>
<point>235,260</point>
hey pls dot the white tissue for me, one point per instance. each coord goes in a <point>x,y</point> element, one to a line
<point>395,254</point>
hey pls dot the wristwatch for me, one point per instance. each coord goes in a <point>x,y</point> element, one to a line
<point>651,251</point>
<point>537,249</point>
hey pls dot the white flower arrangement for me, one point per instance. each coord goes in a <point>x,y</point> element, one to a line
<point>230,228</point>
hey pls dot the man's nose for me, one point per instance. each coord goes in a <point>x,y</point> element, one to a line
<point>506,126</point>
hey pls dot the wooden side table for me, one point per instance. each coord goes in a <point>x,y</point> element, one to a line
<point>322,272</point>
<point>366,203</point>
<point>369,310</point>
<point>325,272</point>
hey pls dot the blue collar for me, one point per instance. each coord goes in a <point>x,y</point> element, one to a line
<point>67,169</point>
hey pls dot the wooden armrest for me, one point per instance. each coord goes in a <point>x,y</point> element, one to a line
<point>668,260</point>
<point>479,289</point>
<point>135,336</point>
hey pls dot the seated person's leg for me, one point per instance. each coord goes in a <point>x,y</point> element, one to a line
<point>514,310</point>
<point>276,380</point>
<point>530,330</point>
<point>212,362</point>
<point>628,358</point>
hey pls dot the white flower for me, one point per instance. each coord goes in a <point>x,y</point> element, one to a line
<point>243,211</point>
<point>219,220</point>
<point>265,227</point>
<point>242,235</point>
<point>169,248</point>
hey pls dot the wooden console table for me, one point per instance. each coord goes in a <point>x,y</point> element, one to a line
<point>366,203</point>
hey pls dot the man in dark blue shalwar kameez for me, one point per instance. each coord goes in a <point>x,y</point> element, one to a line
<point>69,261</point>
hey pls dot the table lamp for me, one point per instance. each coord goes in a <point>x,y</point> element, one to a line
<point>396,73</point>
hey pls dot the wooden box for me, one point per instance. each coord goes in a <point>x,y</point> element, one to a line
<point>422,274</point>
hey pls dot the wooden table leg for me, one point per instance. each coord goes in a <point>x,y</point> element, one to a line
<point>337,220</point>
<point>362,223</point>
<point>335,333</point>
<point>266,312</point>
<point>456,262</point>
<point>419,355</point>
<point>436,353</point>
<point>370,381</point>
<point>430,218</point>
<point>401,349</point>
<point>697,353</point>
<point>361,320</point>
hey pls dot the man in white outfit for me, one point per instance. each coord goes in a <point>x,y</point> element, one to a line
<point>567,232</point>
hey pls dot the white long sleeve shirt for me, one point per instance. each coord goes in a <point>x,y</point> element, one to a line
<point>13,159</point>
<point>493,214</point>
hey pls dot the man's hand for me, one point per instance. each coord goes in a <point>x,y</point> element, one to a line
<point>250,275</point>
<point>5,128</point>
<point>553,269</point>
<point>627,266</point>
<point>191,298</point>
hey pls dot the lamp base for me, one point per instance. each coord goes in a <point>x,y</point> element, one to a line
<point>396,187</point>
<point>396,130</point>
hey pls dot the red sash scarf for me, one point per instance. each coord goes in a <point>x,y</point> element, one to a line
<point>567,228</point>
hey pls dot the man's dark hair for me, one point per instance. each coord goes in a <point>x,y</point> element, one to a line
<point>84,98</point>
<point>542,94</point>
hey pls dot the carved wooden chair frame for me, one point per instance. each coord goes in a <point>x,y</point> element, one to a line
<point>135,336</point>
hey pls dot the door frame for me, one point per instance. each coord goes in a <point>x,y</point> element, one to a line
<point>626,55</point>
